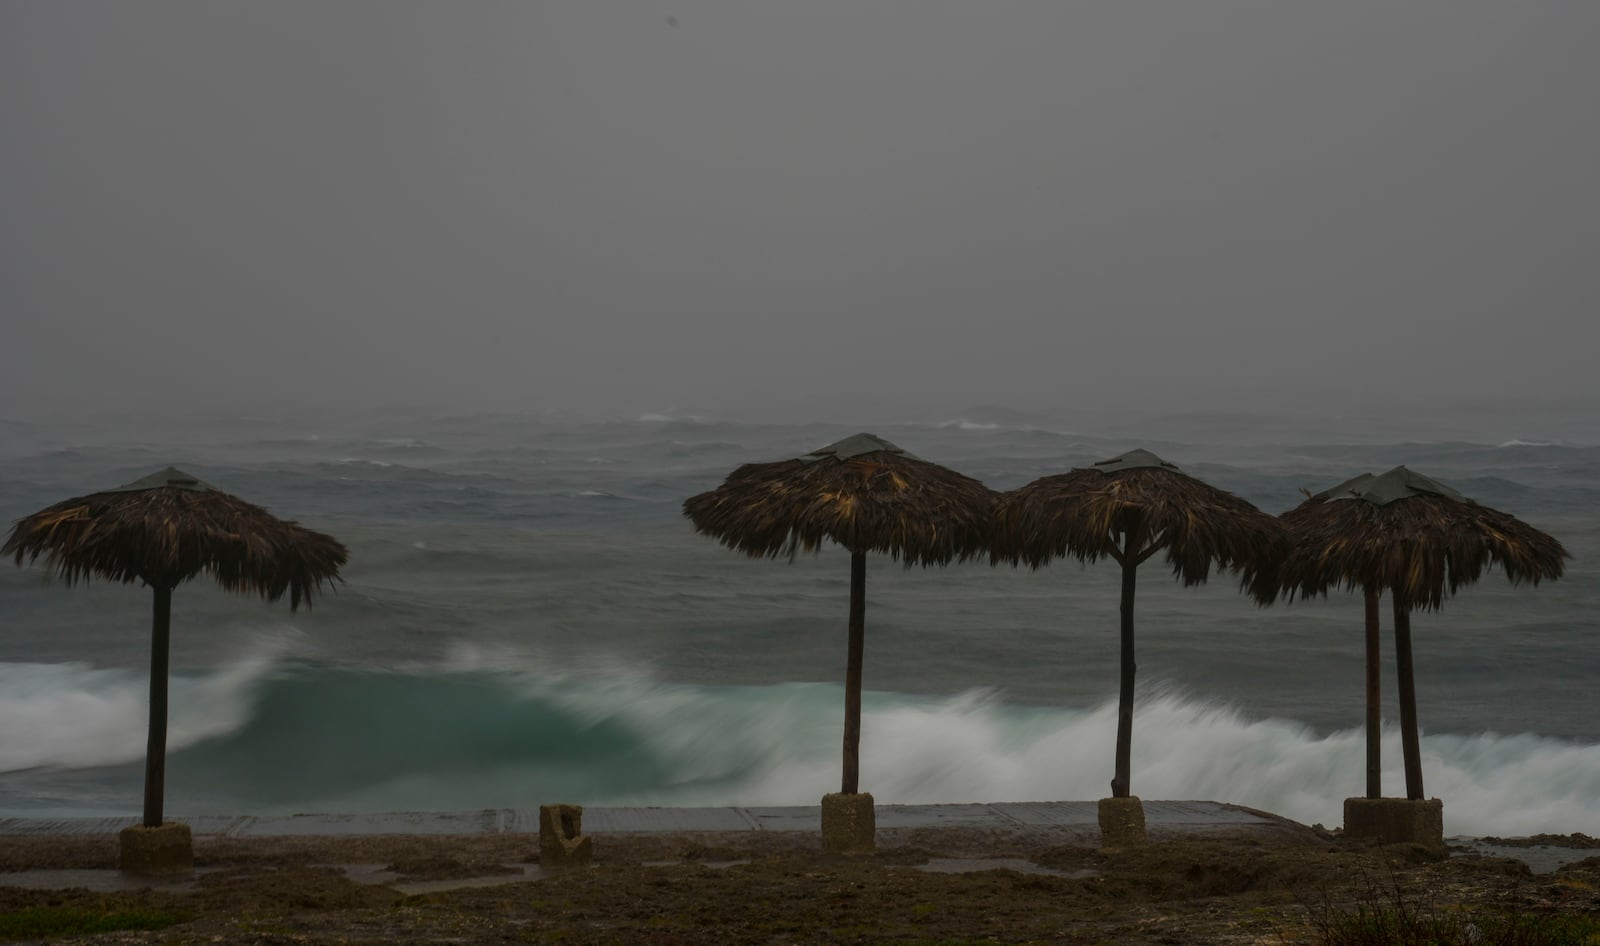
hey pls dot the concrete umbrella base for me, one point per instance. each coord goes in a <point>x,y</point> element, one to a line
<point>1395,820</point>
<point>1121,822</point>
<point>168,849</point>
<point>849,823</point>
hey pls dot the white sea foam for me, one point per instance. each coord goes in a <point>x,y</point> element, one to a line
<point>963,424</point>
<point>75,715</point>
<point>784,748</point>
<point>535,671</point>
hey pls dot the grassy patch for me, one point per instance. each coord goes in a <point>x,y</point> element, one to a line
<point>42,922</point>
<point>1390,916</point>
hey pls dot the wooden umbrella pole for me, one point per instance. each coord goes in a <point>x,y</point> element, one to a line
<point>1374,701</point>
<point>1132,540</point>
<point>155,756</point>
<point>1410,742</point>
<point>851,781</point>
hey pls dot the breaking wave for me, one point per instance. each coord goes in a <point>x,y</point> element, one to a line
<point>263,737</point>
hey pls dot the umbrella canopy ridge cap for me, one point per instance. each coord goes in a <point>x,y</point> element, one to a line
<point>1346,490</point>
<point>1392,486</point>
<point>856,445</point>
<point>1135,459</point>
<point>169,478</point>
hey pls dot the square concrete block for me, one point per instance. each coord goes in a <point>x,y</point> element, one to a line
<point>1395,820</point>
<point>849,823</point>
<point>1121,822</point>
<point>168,849</point>
<point>562,842</point>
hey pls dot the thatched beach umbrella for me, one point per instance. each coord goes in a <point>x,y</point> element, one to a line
<point>1127,509</point>
<point>867,495</point>
<point>1418,539</point>
<point>164,530</point>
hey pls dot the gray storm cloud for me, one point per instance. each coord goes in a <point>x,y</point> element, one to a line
<point>809,207</point>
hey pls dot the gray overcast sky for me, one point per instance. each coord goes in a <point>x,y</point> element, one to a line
<point>744,206</point>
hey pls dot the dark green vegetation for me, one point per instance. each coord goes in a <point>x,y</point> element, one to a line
<point>51,921</point>
<point>225,902</point>
<point>1392,915</point>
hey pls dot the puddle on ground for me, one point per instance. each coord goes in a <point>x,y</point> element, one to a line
<point>970,865</point>
<point>378,875</point>
<point>373,874</point>
<point>101,881</point>
<point>1540,858</point>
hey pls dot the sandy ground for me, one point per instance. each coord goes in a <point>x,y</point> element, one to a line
<point>933,886</point>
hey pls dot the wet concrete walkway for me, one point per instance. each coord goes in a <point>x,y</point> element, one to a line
<point>1063,819</point>
<point>1177,815</point>
<point>1168,817</point>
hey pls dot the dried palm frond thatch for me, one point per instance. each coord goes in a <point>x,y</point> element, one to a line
<point>1421,546</point>
<point>1420,540</point>
<point>167,534</point>
<point>865,494</point>
<point>1086,514</point>
<point>1127,509</point>
<point>164,530</point>
<point>875,500</point>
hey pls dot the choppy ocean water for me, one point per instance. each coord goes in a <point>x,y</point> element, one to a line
<point>527,617</point>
